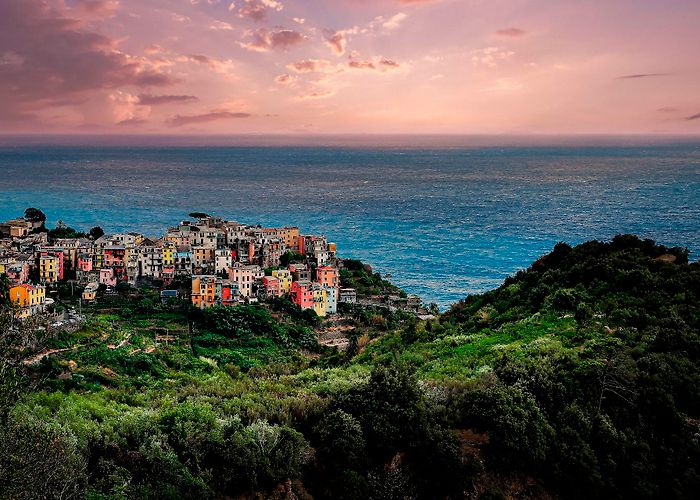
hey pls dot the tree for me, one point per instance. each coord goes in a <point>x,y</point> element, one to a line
<point>341,441</point>
<point>34,215</point>
<point>96,232</point>
<point>290,256</point>
<point>4,289</point>
<point>39,460</point>
<point>198,215</point>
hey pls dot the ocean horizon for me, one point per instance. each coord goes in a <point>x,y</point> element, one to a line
<point>444,216</point>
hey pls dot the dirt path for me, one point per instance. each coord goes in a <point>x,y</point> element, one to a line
<point>335,336</point>
<point>38,357</point>
<point>122,343</point>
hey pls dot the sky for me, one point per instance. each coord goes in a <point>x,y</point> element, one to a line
<point>350,66</point>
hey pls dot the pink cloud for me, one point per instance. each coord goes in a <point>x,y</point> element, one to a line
<point>388,63</point>
<point>336,41</point>
<point>257,9</point>
<point>180,120</point>
<point>362,65</point>
<point>57,59</point>
<point>378,64</point>
<point>222,66</point>
<point>286,79</point>
<point>315,94</point>
<point>282,39</point>
<point>155,100</point>
<point>490,56</point>
<point>309,65</point>
<point>511,32</point>
<point>99,8</point>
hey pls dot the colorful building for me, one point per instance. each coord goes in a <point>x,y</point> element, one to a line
<point>300,272</point>
<point>320,299</point>
<point>285,279</point>
<point>107,277</point>
<point>115,259</point>
<point>90,293</point>
<point>302,294</point>
<point>328,276</point>
<point>229,293</point>
<point>50,267</point>
<point>209,291</point>
<point>30,298</point>
<point>206,291</point>
<point>223,260</point>
<point>331,300</point>
<point>272,286</point>
<point>168,255</point>
<point>246,277</point>
<point>85,263</point>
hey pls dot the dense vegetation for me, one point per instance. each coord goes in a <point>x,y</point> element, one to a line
<point>576,378</point>
<point>355,274</point>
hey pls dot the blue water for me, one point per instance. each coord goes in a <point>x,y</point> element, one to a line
<point>445,217</point>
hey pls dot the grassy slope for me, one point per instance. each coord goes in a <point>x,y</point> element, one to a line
<point>573,313</point>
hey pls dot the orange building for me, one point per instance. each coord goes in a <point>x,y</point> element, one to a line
<point>30,298</point>
<point>205,291</point>
<point>328,276</point>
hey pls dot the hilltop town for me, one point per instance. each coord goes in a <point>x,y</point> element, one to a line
<point>205,259</point>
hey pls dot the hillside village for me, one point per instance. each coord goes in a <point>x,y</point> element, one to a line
<point>221,262</point>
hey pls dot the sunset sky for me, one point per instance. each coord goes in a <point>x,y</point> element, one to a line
<point>349,66</point>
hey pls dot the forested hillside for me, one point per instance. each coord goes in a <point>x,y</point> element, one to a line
<point>577,378</point>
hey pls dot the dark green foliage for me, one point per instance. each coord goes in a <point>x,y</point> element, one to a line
<point>63,231</point>
<point>96,232</point>
<point>39,460</point>
<point>341,442</point>
<point>198,215</point>
<point>290,256</point>
<point>4,290</point>
<point>354,274</point>
<point>398,425</point>
<point>617,415</point>
<point>34,215</point>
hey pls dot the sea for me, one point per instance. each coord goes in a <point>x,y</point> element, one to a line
<point>442,216</point>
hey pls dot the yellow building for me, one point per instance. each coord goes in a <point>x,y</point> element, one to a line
<point>99,256</point>
<point>90,292</point>
<point>30,298</point>
<point>320,300</point>
<point>290,236</point>
<point>176,238</point>
<point>285,279</point>
<point>168,255</point>
<point>49,268</point>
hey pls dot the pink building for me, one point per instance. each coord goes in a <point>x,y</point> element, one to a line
<point>17,272</point>
<point>302,294</point>
<point>114,259</point>
<point>85,263</point>
<point>328,276</point>
<point>107,277</point>
<point>273,287</point>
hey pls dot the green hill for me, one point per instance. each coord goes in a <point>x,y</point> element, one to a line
<point>577,378</point>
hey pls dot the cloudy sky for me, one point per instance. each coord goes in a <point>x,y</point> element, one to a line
<point>349,66</point>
